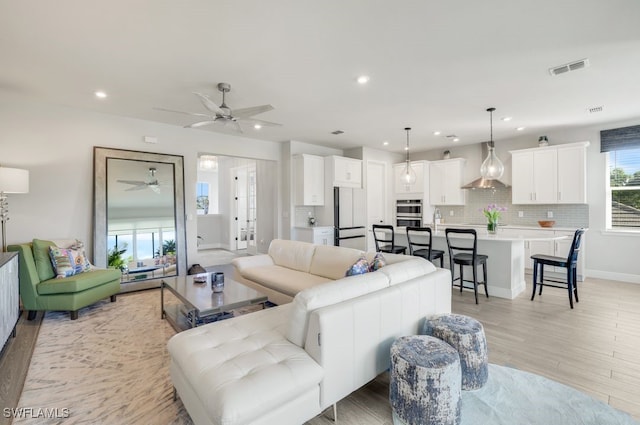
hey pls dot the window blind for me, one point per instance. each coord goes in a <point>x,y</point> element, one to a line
<point>620,138</point>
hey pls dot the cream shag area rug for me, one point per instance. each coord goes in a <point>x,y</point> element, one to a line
<point>111,366</point>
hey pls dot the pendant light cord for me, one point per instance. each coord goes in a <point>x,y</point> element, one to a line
<point>490,110</point>
<point>407,129</point>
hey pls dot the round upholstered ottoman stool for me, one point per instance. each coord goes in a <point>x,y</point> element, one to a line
<point>466,335</point>
<point>425,382</point>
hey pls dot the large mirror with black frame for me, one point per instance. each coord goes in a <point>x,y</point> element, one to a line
<point>139,215</point>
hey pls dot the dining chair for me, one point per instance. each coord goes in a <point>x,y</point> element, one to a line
<point>423,248</point>
<point>463,251</point>
<point>570,263</point>
<point>386,243</point>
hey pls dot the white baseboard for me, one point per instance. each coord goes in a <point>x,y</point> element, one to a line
<point>622,277</point>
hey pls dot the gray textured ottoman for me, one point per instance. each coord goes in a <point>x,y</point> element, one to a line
<point>425,382</point>
<point>466,335</point>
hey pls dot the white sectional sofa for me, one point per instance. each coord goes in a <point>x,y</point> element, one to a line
<point>285,365</point>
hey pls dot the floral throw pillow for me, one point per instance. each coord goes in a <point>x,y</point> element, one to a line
<point>359,267</point>
<point>378,262</point>
<point>68,262</point>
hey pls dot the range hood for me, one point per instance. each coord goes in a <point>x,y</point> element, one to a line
<point>481,182</point>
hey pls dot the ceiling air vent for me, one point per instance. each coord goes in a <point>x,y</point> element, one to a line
<point>337,132</point>
<point>595,109</point>
<point>573,66</point>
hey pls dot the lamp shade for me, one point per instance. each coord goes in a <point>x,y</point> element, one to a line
<point>14,180</point>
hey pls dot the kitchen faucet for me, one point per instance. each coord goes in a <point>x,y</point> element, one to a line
<point>436,219</point>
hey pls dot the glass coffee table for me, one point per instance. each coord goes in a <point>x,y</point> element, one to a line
<point>199,305</point>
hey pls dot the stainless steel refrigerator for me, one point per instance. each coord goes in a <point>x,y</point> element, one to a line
<point>349,217</point>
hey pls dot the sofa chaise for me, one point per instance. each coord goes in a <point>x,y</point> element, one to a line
<point>289,363</point>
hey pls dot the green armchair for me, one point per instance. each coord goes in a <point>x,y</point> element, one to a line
<point>41,290</point>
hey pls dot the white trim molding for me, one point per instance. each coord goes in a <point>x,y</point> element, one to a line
<point>622,277</point>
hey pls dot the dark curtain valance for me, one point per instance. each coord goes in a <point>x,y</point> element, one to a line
<point>620,138</point>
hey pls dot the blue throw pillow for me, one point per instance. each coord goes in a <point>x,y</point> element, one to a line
<point>378,262</point>
<point>359,267</point>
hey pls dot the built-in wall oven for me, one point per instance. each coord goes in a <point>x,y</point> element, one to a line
<point>409,212</point>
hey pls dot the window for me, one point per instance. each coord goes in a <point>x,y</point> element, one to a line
<point>624,189</point>
<point>202,198</point>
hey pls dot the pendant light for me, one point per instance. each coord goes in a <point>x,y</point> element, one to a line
<point>408,175</point>
<point>492,168</point>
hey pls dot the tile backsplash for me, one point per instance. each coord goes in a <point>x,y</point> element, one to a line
<point>574,215</point>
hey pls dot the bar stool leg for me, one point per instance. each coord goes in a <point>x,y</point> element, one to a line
<point>535,278</point>
<point>541,278</point>
<point>484,275</point>
<point>475,281</point>
<point>575,283</point>
<point>570,284</point>
<point>461,277</point>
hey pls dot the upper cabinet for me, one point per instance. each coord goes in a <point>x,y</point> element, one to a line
<point>445,181</point>
<point>421,168</point>
<point>309,179</point>
<point>345,172</point>
<point>572,174</point>
<point>550,175</point>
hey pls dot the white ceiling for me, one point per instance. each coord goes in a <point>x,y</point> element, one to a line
<point>434,65</point>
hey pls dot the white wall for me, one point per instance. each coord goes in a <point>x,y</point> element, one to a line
<point>56,143</point>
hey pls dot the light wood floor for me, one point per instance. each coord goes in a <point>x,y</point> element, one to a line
<point>594,348</point>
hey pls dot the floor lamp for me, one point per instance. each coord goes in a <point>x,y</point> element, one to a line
<point>12,180</point>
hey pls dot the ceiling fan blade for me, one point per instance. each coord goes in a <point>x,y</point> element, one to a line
<point>254,110</point>
<point>140,187</point>
<point>254,121</point>
<point>199,124</point>
<point>209,104</point>
<point>183,112</point>
<point>155,188</point>
<point>136,182</point>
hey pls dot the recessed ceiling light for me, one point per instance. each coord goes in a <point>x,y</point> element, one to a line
<point>520,128</point>
<point>455,139</point>
<point>100,94</point>
<point>385,143</point>
<point>507,118</point>
<point>257,126</point>
<point>363,79</point>
<point>436,133</point>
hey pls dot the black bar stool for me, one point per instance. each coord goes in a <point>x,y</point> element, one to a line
<point>570,263</point>
<point>384,244</point>
<point>424,248</point>
<point>464,252</point>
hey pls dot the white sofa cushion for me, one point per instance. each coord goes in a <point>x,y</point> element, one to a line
<point>327,294</point>
<point>333,261</point>
<point>244,367</point>
<point>282,279</point>
<point>292,254</point>
<point>410,268</point>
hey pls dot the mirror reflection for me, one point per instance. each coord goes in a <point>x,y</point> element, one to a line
<point>141,231</point>
<point>139,215</point>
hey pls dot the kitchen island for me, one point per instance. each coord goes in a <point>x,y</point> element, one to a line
<point>506,262</point>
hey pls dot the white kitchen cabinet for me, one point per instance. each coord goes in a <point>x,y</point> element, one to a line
<point>572,174</point>
<point>534,176</point>
<point>309,179</point>
<point>402,188</point>
<point>445,181</point>
<point>550,175</point>
<point>321,235</point>
<point>344,172</point>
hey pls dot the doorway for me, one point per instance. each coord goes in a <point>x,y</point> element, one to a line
<point>244,202</point>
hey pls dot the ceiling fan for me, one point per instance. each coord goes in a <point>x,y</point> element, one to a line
<point>224,115</point>
<point>152,184</point>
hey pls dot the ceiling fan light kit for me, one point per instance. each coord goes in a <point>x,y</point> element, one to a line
<point>492,168</point>
<point>224,115</point>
